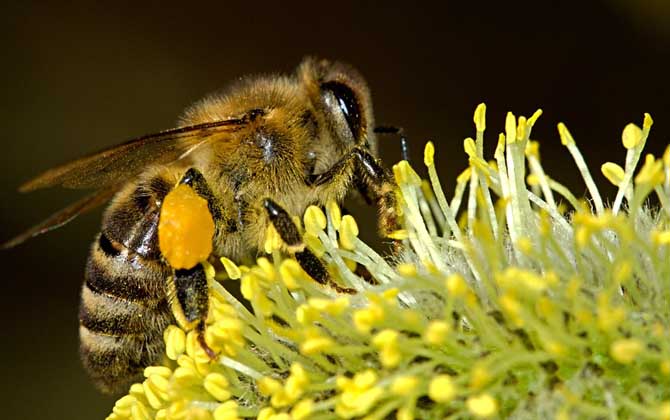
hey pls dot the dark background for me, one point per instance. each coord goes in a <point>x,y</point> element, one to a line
<point>81,77</point>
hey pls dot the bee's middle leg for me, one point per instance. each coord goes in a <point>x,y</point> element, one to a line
<point>189,293</point>
<point>290,235</point>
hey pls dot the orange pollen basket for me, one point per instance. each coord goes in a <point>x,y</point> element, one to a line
<point>185,229</point>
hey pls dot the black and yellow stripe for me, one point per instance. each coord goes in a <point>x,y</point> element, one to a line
<point>124,305</point>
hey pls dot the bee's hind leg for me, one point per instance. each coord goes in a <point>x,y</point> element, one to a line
<point>188,288</point>
<point>189,295</point>
<point>289,233</point>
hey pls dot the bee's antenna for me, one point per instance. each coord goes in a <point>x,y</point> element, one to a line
<point>404,148</point>
<point>404,144</point>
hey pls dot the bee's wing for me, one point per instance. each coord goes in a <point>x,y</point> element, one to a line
<point>118,163</point>
<point>107,170</point>
<point>63,216</point>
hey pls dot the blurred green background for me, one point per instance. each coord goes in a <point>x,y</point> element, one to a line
<point>79,77</point>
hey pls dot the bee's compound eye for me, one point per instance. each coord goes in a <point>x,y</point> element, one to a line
<point>347,104</point>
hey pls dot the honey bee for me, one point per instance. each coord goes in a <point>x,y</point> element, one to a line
<point>261,151</point>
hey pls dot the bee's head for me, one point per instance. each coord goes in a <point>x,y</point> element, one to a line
<point>341,95</point>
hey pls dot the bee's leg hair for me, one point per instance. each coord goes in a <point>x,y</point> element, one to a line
<point>189,299</point>
<point>290,235</point>
<point>380,186</point>
<point>375,183</point>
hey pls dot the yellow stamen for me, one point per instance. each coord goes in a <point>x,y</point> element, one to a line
<point>404,385</point>
<point>315,220</point>
<point>335,214</point>
<point>429,154</point>
<point>566,137</point>
<point>482,406</point>
<point>231,268</point>
<point>510,128</point>
<point>613,172</point>
<point>631,136</point>
<point>480,117</point>
<point>217,385</point>
<point>442,389</point>
<point>624,351</point>
<point>348,232</point>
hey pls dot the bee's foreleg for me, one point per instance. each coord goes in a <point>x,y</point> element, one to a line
<point>290,235</point>
<point>375,182</point>
<point>189,300</point>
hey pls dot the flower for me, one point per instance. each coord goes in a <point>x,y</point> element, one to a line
<point>513,298</point>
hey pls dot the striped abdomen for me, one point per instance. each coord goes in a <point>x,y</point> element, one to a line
<point>124,307</point>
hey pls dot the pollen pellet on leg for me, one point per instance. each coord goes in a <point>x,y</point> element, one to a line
<point>185,229</point>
